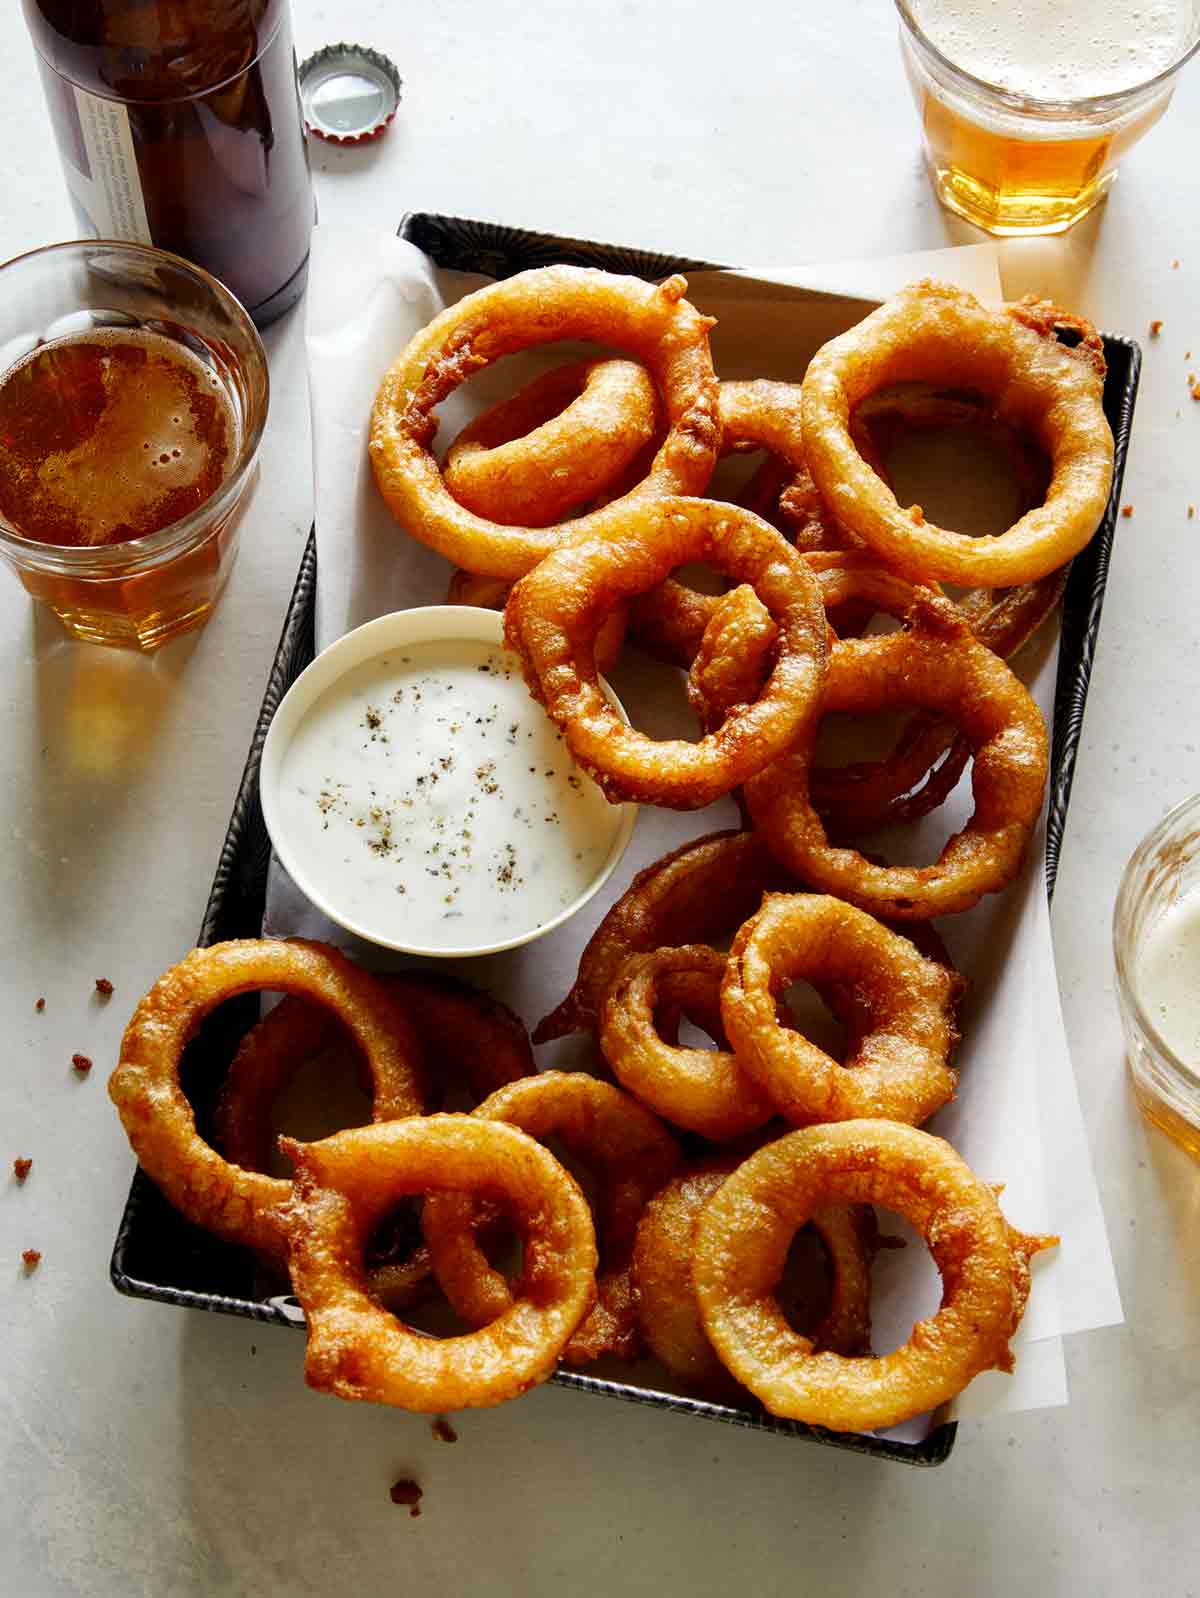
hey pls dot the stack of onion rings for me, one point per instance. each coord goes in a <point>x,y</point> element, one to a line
<point>554,614</point>
<point>654,323</point>
<point>345,1184</point>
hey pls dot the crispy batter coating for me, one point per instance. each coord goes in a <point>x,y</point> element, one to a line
<point>244,1205</point>
<point>655,323</point>
<point>554,614</point>
<point>667,1311</point>
<point>898,1009</point>
<point>934,332</point>
<point>936,664</point>
<point>561,441</point>
<point>345,1184</point>
<point>629,1152</point>
<point>703,1090</point>
<point>742,1239</point>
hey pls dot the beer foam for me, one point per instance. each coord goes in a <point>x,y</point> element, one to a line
<point>1049,51</point>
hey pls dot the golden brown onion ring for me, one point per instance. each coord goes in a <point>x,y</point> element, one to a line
<point>667,1313</point>
<point>933,332</point>
<point>630,1153</point>
<point>242,1205</point>
<point>703,1090</point>
<point>345,1184</point>
<point>654,323</point>
<point>742,1239</point>
<point>938,665</point>
<point>561,441</point>
<point>898,1009</point>
<point>554,614</point>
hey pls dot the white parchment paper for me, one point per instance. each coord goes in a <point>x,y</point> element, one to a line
<point>1016,1119</point>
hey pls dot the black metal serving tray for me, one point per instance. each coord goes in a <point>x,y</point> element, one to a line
<point>158,1255</point>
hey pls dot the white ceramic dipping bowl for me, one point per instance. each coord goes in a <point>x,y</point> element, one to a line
<point>374,913</point>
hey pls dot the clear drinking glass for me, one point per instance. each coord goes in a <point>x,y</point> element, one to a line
<point>141,592</point>
<point>1162,870</point>
<point>1019,164</point>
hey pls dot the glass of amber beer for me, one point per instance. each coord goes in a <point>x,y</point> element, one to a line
<point>133,397</point>
<point>1028,106</point>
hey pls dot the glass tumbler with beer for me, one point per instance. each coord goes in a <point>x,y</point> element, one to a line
<point>133,397</point>
<point>1028,106</point>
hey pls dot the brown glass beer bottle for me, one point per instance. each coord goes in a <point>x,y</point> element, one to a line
<point>178,123</point>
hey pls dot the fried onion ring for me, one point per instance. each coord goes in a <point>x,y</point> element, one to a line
<point>631,1154</point>
<point>667,1312</point>
<point>935,332</point>
<point>703,1090</point>
<point>742,1239</point>
<point>700,891</point>
<point>554,613</point>
<point>898,1009</point>
<point>343,1187</point>
<point>654,323</point>
<point>939,665</point>
<point>239,1204</point>
<point>558,443</point>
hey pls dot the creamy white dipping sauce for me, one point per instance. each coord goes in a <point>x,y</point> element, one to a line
<point>1168,978</point>
<point>429,799</point>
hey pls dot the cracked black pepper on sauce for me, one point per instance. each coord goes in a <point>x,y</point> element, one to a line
<point>434,804</point>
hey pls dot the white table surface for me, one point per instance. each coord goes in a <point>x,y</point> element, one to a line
<point>148,1450</point>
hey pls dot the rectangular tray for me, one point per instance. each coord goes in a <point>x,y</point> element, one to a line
<point>158,1255</point>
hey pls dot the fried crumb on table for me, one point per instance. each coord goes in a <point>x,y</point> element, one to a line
<point>406,1492</point>
<point>31,1258</point>
<point>22,1166</point>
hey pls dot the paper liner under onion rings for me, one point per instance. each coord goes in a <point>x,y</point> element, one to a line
<point>898,1009</point>
<point>742,1239</point>
<point>933,332</point>
<point>703,1090</point>
<point>343,1187</point>
<point>559,442</point>
<point>936,664</point>
<point>631,1155</point>
<point>554,614</point>
<point>667,1312</point>
<point>244,1205</point>
<point>652,322</point>
<point>491,593</point>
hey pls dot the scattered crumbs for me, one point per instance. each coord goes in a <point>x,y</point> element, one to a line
<point>917,515</point>
<point>406,1492</point>
<point>40,1006</point>
<point>1191,512</point>
<point>1126,511</point>
<point>442,1430</point>
<point>373,719</point>
<point>31,1258</point>
<point>104,987</point>
<point>1175,264</point>
<point>574,782</point>
<point>1187,355</point>
<point>253,1349</point>
<point>1195,391</point>
<point>1155,328</point>
<point>22,1167</point>
<point>81,1064</point>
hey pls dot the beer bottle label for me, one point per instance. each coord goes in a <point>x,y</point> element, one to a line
<point>96,145</point>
